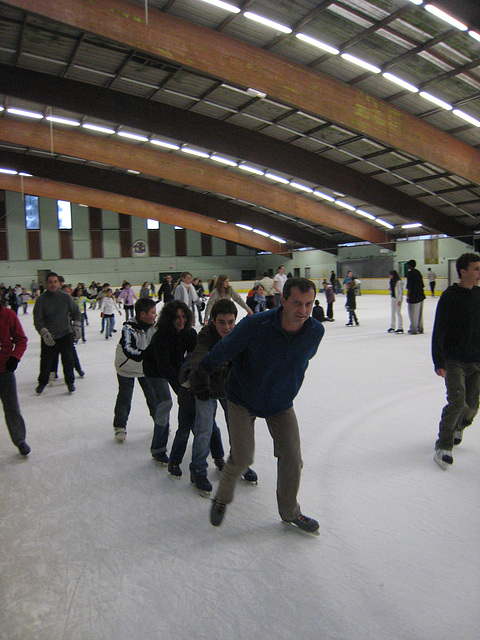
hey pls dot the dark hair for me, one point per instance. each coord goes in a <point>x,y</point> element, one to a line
<point>302,284</point>
<point>223,306</point>
<point>51,274</point>
<point>169,313</point>
<point>143,305</point>
<point>465,260</point>
<point>395,277</point>
<point>185,274</point>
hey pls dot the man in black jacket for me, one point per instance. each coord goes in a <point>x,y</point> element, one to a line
<point>415,298</point>
<point>456,355</point>
<point>166,290</point>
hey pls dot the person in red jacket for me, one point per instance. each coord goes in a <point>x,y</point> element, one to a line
<point>13,343</point>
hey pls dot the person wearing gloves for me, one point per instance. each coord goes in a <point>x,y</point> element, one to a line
<point>13,343</point>
<point>53,315</point>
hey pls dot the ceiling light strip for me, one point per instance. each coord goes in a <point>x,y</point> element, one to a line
<point>431,8</point>
<point>267,23</point>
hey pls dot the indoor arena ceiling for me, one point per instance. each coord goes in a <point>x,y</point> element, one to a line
<point>317,123</point>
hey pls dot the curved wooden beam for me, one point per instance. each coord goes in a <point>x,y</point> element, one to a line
<point>183,170</point>
<point>232,60</point>
<point>139,208</point>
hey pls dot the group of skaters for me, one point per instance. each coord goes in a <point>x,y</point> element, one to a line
<point>238,366</point>
<point>234,365</point>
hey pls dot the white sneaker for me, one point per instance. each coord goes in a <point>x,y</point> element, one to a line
<point>120,435</point>
<point>444,458</point>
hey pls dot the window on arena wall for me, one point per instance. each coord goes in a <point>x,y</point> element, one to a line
<point>65,236</point>
<point>153,230</point>
<point>206,244</point>
<point>180,241</point>
<point>32,225</point>
<point>96,232</point>
<point>125,235</point>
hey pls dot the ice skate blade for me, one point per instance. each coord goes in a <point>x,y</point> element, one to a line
<point>202,494</point>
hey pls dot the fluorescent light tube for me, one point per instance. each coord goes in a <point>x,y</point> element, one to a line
<point>195,152</point>
<point>302,187</point>
<point>25,113</point>
<point>166,145</point>
<point>324,196</point>
<point>246,167</point>
<point>437,101</point>
<point>221,160</point>
<point>67,121</point>
<point>222,5</point>
<point>317,43</point>
<point>445,17</point>
<point>384,223</point>
<point>9,172</point>
<point>365,214</point>
<point>95,127</point>
<point>400,82</point>
<point>273,176</point>
<point>361,63</point>
<point>412,225</point>
<point>267,23</point>
<point>465,116</point>
<point>244,226</point>
<point>277,239</point>
<point>345,205</point>
<point>261,233</point>
<point>132,136</point>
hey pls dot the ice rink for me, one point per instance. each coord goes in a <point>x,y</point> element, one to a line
<point>99,542</point>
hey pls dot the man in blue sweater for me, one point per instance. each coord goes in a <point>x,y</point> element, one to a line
<point>270,353</point>
<point>456,355</point>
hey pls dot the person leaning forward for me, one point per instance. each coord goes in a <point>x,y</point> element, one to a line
<point>270,350</point>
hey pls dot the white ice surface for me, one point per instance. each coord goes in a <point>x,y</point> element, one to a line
<point>99,542</point>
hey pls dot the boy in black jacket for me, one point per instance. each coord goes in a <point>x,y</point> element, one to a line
<point>456,355</point>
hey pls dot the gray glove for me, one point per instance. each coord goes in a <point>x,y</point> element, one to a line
<point>77,329</point>
<point>47,337</point>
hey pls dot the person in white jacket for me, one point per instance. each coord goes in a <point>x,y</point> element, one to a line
<point>223,290</point>
<point>108,306</point>
<point>396,296</point>
<point>185,291</point>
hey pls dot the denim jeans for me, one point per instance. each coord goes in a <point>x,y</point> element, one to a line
<point>163,405</point>
<point>128,311</point>
<point>124,400</point>
<point>463,390</point>
<point>9,398</point>
<point>202,434</point>
<point>186,422</point>
<point>109,322</point>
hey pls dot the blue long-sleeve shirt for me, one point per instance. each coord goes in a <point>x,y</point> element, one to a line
<point>269,364</point>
